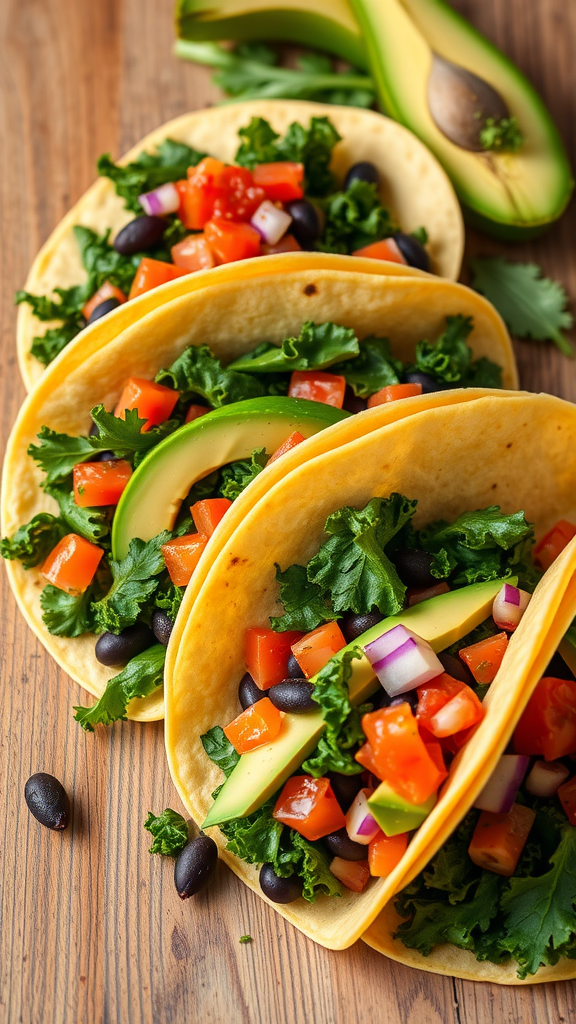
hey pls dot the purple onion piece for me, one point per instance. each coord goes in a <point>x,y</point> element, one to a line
<point>500,791</point>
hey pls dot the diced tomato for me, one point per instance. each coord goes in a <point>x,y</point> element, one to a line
<point>434,695</point>
<point>393,393</point>
<point>567,794</point>
<point>206,184</point>
<point>195,411</point>
<point>309,806</point>
<point>106,291</point>
<point>241,197</point>
<point>315,649</point>
<point>384,250</point>
<point>100,483</point>
<point>318,386</point>
<point>267,653</point>
<point>365,757</point>
<point>258,724</point>
<point>182,555</point>
<point>417,596</point>
<point>462,712</point>
<point>484,658</point>
<point>385,853</point>
<point>548,722</point>
<point>291,442</point>
<point>154,402</point>
<point>548,549</point>
<point>193,253</point>
<point>400,753</point>
<point>499,839</point>
<point>208,513</point>
<point>231,242</point>
<point>152,273</point>
<point>72,564</point>
<point>286,244</point>
<point>354,874</point>
<point>282,181</point>
<point>435,751</point>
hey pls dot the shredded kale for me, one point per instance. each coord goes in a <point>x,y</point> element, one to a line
<point>237,475</point>
<point>170,832</point>
<point>449,359</point>
<point>198,372</point>
<point>316,347</point>
<point>149,170</point>
<point>91,523</point>
<point>372,369</point>
<point>483,545</point>
<point>354,218</point>
<point>33,542</point>
<point>310,146</point>
<point>305,603</point>
<point>220,750</point>
<point>141,676</point>
<point>134,581</point>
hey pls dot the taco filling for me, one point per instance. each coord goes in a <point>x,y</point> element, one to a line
<point>358,697</point>
<point>193,212</point>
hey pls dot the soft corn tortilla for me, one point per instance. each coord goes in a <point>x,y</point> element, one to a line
<point>475,450</point>
<point>414,187</point>
<point>232,313</point>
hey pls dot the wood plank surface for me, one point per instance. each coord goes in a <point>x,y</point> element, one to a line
<point>91,931</point>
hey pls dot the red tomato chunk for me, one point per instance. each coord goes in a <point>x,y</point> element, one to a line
<point>291,442</point>
<point>484,658</point>
<point>231,242</point>
<point>567,795</point>
<point>193,253</point>
<point>309,806</point>
<point>154,402</point>
<point>152,273</point>
<point>208,513</point>
<point>548,722</point>
<point>267,654</point>
<point>317,386</point>
<point>106,291</point>
<point>258,724</point>
<point>499,839</point>
<point>182,555</point>
<point>386,852</point>
<point>100,483</point>
<point>282,181</point>
<point>399,753</point>
<point>354,874</point>
<point>72,564</point>
<point>314,650</point>
<point>393,393</point>
<point>548,549</point>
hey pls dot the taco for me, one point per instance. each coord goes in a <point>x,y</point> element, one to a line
<point>325,555</point>
<point>275,341</point>
<point>370,180</point>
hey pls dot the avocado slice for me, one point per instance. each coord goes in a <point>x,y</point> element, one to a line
<point>396,815</point>
<point>151,501</point>
<point>511,195</point>
<point>298,21</point>
<point>441,621</point>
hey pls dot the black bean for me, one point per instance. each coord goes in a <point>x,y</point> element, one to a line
<point>106,456</point>
<point>363,171</point>
<point>428,383</point>
<point>277,889</point>
<point>293,695</point>
<point>345,788</point>
<point>105,307</point>
<point>413,568</point>
<point>195,866</point>
<point>141,233</point>
<point>293,669</point>
<point>353,626</point>
<point>112,649</point>
<point>340,845</point>
<point>47,800</point>
<point>353,403</point>
<point>411,698</point>
<point>161,626</point>
<point>413,251</point>
<point>456,668</point>
<point>249,692</point>
<point>305,224</point>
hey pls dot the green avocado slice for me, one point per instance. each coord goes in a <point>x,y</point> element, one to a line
<point>512,195</point>
<point>151,501</point>
<point>396,815</point>
<point>441,621</point>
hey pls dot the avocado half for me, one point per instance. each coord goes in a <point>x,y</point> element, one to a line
<point>510,195</point>
<point>152,498</point>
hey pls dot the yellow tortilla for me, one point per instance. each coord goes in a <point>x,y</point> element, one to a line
<point>476,449</point>
<point>232,314</point>
<point>414,187</point>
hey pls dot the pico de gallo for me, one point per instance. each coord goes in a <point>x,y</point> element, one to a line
<point>503,885</point>
<point>389,708</point>
<point>194,212</point>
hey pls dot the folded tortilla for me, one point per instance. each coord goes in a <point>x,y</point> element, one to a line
<point>232,313</point>
<point>469,451</point>
<point>414,187</point>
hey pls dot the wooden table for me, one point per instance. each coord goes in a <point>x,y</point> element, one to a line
<point>91,929</point>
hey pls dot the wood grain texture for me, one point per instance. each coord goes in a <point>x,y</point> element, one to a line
<point>91,931</point>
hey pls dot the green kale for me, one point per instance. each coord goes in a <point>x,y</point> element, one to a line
<point>133,583</point>
<point>103,263</point>
<point>66,614</point>
<point>305,603</point>
<point>372,369</point>
<point>448,359</point>
<point>91,523</point>
<point>502,136</point>
<point>170,832</point>
<point>245,939</point>
<point>220,750</point>
<point>354,218</point>
<point>125,437</point>
<point>331,694</point>
<point>141,676</point>
<point>57,454</point>
<point>198,372</point>
<point>310,146</point>
<point>257,144</point>
<point>317,347</point>
<point>313,868</point>
<point>237,475</point>
<point>483,373</point>
<point>33,542</point>
<point>478,546</point>
<point>168,597</point>
<point>335,750</point>
<point>149,170</point>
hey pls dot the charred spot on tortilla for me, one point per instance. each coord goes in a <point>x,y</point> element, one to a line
<point>234,561</point>
<point>310,289</point>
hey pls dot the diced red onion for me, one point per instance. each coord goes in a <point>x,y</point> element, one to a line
<point>271,222</point>
<point>509,606</point>
<point>402,660</point>
<point>546,778</point>
<point>162,200</point>
<point>500,791</point>
<point>361,826</point>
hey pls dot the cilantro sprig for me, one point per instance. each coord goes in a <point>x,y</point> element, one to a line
<point>133,582</point>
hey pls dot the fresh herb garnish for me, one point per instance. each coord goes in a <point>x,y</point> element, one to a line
<point>170,162</point>
<point>236,476</point>
<point>310,146</point>
<point>91,523</point>
<point>68,614</point>
<point>354,218</point>
<point>343,730</point>
<point>198,372</point>
<point>33,542</point>
<point>170,832</point>
<point>316,347</point>
<point>141,676</point>
<point>501,136</point>
<point>245,939</point>
<point>133,582</point>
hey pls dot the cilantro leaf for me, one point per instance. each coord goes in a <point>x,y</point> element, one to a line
<point>316,347</point>
<point>502,136</point>
<point>91,523</point>
<point>57,454</point>
<point>372,369</point>
<point>170,832</point>
<point>532,306</point>
<point>198,372</point>
<point>312,147</point>
<point>237,475</point>
<point>149,170</point>
<point>133,583</point>
<point>354,218</point>
<point>124,437</point>
<point>352,567</point>
<point>66,614</point>
<point>141,676</point>
<point>220,750</point>
<point>33,542</point>
<point>305,604</point>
